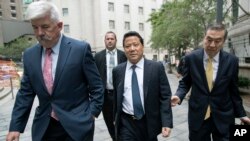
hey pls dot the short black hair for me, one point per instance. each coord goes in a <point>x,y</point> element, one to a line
<point>132,33</point>
<point>217,26</point>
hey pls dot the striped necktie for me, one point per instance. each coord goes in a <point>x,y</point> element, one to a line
<point>111,66</point>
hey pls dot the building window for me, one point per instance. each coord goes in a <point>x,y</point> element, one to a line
<point>127,26</point>
<point>141,27</point>
<point>249,38</point>
<point>12,8</point>
<point>28,1</point>
<point>65,11</point>
<point>153,10</point>
<point>13,15</point>
<point>12,1</point>
<point>111,24</point>
<point>126,8</point>
<point>154,57</point>
<point>140,10</point>
<point>111,6</point>
<point>66,28</point>
<point>1,14</point>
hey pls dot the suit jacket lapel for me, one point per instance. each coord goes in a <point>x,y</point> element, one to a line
<point>119,57</point>
<point>38,66</point>
<point>120,88</point>
<point>220,68</point>
<point>146,77</point>
<point>201,68</point>
<point>103,57</point>
<point>62,58</point>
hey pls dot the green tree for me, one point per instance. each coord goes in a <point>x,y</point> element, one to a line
<point>180,24</point>
<point>14,49</point>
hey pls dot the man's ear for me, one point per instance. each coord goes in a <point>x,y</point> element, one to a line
<point>60,25</point>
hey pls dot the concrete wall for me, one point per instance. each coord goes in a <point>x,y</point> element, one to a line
<point>89,19</point>
<point>244,70</point>
<point>10,30</point>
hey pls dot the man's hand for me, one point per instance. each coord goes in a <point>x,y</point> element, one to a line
<point>13,136</point>
<point>175,100</point>
<point>245,120</point>
<point>178,75</point>
<point>165,131</point>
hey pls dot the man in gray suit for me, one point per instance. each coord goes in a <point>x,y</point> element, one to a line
<point>215,101</point>
<point>106,60</point>
<point>62,73</point>
<point>142,107</point>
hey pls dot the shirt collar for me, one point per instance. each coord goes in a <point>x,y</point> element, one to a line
<point>139,64</point>
<point>55,49</point>
<point>113,51</point>
<point>215,58</point>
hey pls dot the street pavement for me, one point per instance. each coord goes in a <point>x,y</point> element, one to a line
<point>178,133</point>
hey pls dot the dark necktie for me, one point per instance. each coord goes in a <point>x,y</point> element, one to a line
<point>47,75</point>
<point>137,105</point>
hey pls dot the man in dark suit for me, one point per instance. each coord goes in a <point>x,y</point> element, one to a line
<point>214,102</point>
<point>180,66</point>
<point>142,106</point>
<point>106,60</point>
<point>62,73</point>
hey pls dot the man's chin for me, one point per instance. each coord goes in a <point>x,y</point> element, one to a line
<point>133,60</point>
<point>42,41</point>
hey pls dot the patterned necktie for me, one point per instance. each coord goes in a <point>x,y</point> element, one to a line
<point>47,75</point>
<point>47,70</point>
<point>137,104</point>
<point>209,75</point>
<point>111,66</point>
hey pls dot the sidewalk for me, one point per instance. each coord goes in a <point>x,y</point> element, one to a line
<point>178,133</point>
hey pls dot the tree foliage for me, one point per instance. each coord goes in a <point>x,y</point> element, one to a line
<point>179,24</point>
<point>14,49</point>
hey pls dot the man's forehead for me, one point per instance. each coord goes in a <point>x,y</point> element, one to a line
<point>110,35</point>
<point>215,34</point>
<point>214,37</point>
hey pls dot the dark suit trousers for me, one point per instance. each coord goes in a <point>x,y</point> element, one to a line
<point>56,132</point>
<point>133,130</point>
<point>207,129</point>
<point>108,112</point>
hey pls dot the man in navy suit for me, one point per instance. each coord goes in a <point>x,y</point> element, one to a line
<point>106,60</point>
<point>70,101</point>
<point>215,101</point>
<point>142,103</point>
